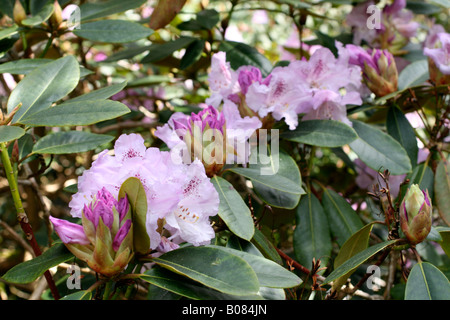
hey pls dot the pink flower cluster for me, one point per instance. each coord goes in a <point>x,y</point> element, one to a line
<point>318,88</point>
<point>180,197</point>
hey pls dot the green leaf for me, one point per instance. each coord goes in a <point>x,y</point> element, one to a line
<point>102,93</point>
<point>379,150</point>
<point>9,133</point>
<point>161,51</point>
<point>265,247</point>
<point>413,74</point>
<point>30,270</point>
<point>205,20</point>
<point>113,31</point>
<point>426,282</point>
<point>343,220</point>
<point>240,54</point>
<point>322,133</point>
<point>7,32</point>
<point>90,11</point>
<point>401,130</point>
<point>311,235</point>
<point>269,273</point>
<point>79,295</point>
<point>43,86</point>
<point>185,287</point>
<point>77,113</point>
<point>193,53</point>
<point>355,244</point>
<point>25,66</point>
<point>40,17</point>
<point>442,190</point>
<point>423,176</point>
<point>356,260</point>
<point>275,178</point>
<point>132,189</point>
<point>444,232</point>
<point>213,268</point>
<point>233,210</point>
<point>70,142</point>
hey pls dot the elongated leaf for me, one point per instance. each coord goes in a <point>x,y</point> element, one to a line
<point>233,210</point>
<point>132,189</point>
<point>379,150</point>
<point>423,176</point>
<point>356,260</point>
<point>94,10</point>
<point>355,244</point>
<point>185,287</point>
<point>401,130</point>
<point>7,32</point>
<point>30,270</point>
<point>9,133</point>
<point>165,12</point>
<point>343,220</point>
<point>70,142</point>
<point>240,54</point>
<point>43,86</point>
<point>40,17</point>
<point>160,51</point>
<point>444,233</point>
<point>265,247</point>
<point>25,66</point>
<point>113,31</point>
<point>442,190</point>
<point>322,133</point>
<point>193,53</point>
<point>77,113</point>
<point>311,235</point>
<point>103,93</point>
<point>269,273</point>
<point>79,295</point>
<point>213,268</point>
<point>414,74</point>
<point>426,282</point>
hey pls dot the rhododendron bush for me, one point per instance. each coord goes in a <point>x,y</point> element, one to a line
<point>224,150</point>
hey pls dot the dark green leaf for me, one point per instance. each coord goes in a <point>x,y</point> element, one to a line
<point>103,93</point>
<point>311,235</point>
<point>378,150</point>
<point>43,86</point>
<point>70,142</point>
<point>77,113</point>
<point>113,31</point>
<point>9,133</point>
<point>426,282</point>
<point>233,210</point>
<point>30,270</point>
<point>160,51</point>
<point>239,54</point>
<point>213,268</point>
<point>401,130</point>
<point>322,133</point>
<point>265,247</point>
<point>192,54</point>
<point>40,17</point>
<point>79,295</point>
<point>94,10</point>
<point>442,190</point>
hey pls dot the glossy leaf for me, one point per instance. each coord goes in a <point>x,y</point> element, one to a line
<point>40,17</point>
<point>43,86</point>
<point>132,189</point>
<point>413,74</point>
<point>77,113</point>
<point>442,190</point>
<point>193,53</point>
<point>9,133</point>
<point>30,270</point>
<point>269,273</point>
<point>321,133</point>
<point>266,247</point>
<point>160,51</point>
<point>95,10</point>
<point>25,66</point>
<point>426,282</point>
<point>355,244</point>
<point>103,93</point>
<point>401,130</point>
<point>240,54</point>
<point>70,142</point>
<point>213,268</point>
<point>276,179</point>
<point>311,235</point>
<point>233,210</point>
<point>113,31</point>
<point>378,150</point>
<point>343,220</point>
<point>356,260</point>
<point>8,32</point>
<point>205,20</point>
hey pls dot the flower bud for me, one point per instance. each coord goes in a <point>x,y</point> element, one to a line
<point>19,13</point>
<point>382,79</point>
<point>415,214</point>
<point>56,17</point>
<point>105,238</point>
